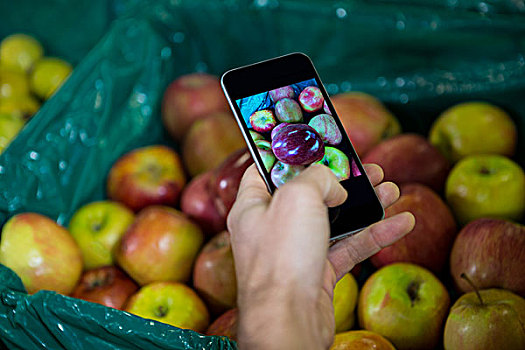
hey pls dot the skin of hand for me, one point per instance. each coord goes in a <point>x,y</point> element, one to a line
<point>286,270</point>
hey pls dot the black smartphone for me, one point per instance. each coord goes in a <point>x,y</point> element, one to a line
<point>289,123</point>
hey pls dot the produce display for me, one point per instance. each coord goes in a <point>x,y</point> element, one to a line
<point>158,247</point>
<point>27,79</point>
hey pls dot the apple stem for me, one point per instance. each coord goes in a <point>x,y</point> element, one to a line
<point>469,281</point>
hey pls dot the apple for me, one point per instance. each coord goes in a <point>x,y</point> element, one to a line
<point>210,141</point>
<point>225,325</point>
<point>10,126</point>
<point>20,52</point>
<point>97,227</point>
<point>406,304</point>
<point>198,203</point>
<point>345,301</point>
<point>338,162</point>
<point>265,150</point>
<point>486,186</point>
<point>474,128</point>
<point>19,106</point>
<point>214,274</point>
<point>263,120</point>
<point>298,144</point>
<point>431,240</point>
<point>106,285</point>
<point>227,178</point>
<point>311,99</point>
<point>410,158</point>
<point>361,340</point>
<point>492,253</point>
<point>160,245</point>
<point>13,83</point>
<point>224,183</point>
<point>146,176</point>
<point>42,253</point>
<point>288,111</point>
<point>282,92</point>
<point>326,109</point>
<point>256,136</point>
<point>189,98</point>
<point>366,121</point>
<point>47,75</point>
<point>486,319</point>
<point>277,129</point>
<point>325,125</point>
<point>172,303</point>
<point>282,172</point>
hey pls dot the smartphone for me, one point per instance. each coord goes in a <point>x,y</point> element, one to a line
<point>289,123</point>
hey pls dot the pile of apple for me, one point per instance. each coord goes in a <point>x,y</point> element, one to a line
<point>26,79</point>
<point>157,247</point>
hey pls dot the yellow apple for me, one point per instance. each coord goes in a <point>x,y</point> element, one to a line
<point>345,301</point>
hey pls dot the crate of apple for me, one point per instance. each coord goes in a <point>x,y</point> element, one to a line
<point>27,79</point>
<point>157,246</point>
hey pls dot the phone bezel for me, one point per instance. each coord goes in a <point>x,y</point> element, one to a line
<point>239,83</point>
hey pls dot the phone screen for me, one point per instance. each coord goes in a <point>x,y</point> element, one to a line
<point>292,128</point>
<point>289,123</point>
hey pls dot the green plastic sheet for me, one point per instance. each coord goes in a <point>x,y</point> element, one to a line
<point>419,57</point>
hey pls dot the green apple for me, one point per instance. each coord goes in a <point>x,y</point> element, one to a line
<point>406,304</point>
<point>345,301</point>
<point>48,75</point>
<point>10,126</point>
<point>488,319</point>
<point>97,227</point>
<point>172,303</point>
<point>265,150</point>
<point>361,340</point>
<point>20,51</point>
<point>42,253</point>
<point>486,186</point>
<point>337,161</point>
<point>473,128</point>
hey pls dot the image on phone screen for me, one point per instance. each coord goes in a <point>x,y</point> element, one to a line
<point>292,128</point>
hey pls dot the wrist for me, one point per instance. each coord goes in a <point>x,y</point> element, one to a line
<point>279,322</point>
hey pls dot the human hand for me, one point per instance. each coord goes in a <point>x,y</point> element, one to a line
<point>286,271</point>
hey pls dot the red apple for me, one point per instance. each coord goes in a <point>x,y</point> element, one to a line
<point>190,98</point>
<point>198,202</point>
<point>227,178</point>
<point>225,325</point>
<point>42,253</point>
<point>366,121</point>
<point>431,240</point>
<point>492,253</point>
<point>160,245</point>
<point>410,158</point>
<point>210,141</point>
<point>106,285</point>
<point>147,176</point>
<point>214,274</point>
<point>282,92</point>
<point>311,99</point>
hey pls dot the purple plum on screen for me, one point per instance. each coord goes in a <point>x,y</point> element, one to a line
<point>298,144</point>
<point>282,172</point>
<point>288,111</point>
<point>263,120</point>
<point>325,125</point>
<point>337,161</point>
<point>277,129</point>
<point>311,99</point>
<point>265,150</point>
<point>282,92</point>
